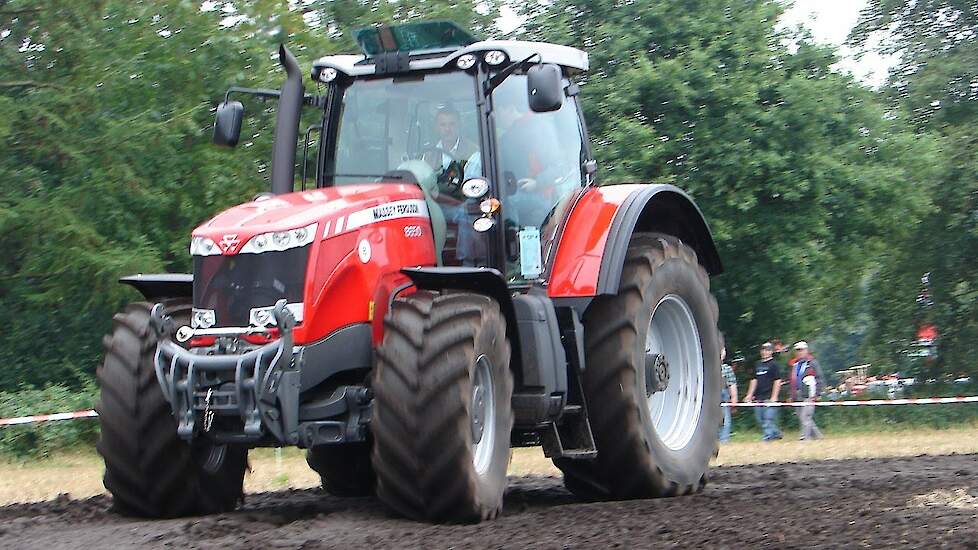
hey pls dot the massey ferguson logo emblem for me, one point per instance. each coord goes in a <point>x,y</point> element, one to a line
<point>412,231</point>
<point>229,243</point>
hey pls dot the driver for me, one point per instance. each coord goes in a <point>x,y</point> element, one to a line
<point>451,147</point>
<point>530,168</point>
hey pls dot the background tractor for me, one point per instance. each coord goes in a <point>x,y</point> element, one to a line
<point>451,284</point>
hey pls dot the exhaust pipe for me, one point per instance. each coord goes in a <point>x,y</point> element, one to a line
<point>287,124</point>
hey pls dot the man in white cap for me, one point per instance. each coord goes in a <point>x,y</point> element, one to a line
<point>805,381</point>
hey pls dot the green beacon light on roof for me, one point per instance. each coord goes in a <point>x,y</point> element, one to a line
<point>429,36</point>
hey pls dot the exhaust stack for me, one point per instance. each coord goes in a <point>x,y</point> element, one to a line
<point>287,124</point>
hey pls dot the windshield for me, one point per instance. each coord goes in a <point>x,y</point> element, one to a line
<point>387,123</point>
<point>421,128</point>
<point>539,157</point>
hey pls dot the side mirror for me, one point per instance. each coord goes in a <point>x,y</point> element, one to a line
<point>227,123</point>
<point>544,88</point>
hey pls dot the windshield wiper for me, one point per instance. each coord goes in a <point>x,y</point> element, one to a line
<point>502,75</point>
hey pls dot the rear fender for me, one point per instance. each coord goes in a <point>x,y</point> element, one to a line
<point>155,287</point>
<point>595,238</point>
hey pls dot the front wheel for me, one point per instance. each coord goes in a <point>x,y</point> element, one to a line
<point>343,469</point>
<point>652,379</point>
<point>149,470</point>
<point>442,410</point>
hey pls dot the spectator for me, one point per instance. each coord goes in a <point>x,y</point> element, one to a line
<point>766,385</point>
<point>805,386</point>
<point>728,395</point>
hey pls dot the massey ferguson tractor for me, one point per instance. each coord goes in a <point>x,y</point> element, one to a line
<point>451,282</point>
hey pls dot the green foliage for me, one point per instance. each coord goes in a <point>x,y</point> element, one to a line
<point>827,200</point>
<point>42,439</point>
<point>802,174</point>
<point>105,115</point>
<point>936,84</point>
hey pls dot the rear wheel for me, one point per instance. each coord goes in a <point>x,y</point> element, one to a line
<point>652,381</point>
<point>442,410</point>
<point>345,470</point>
<point>149,470</point>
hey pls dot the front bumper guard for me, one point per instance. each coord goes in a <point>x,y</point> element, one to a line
<point>266,384</point>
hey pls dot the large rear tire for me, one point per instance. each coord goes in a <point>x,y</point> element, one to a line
<point>148,469</point>
<point>442,410</point>
<point>655,439</point>
<point>345,470</point>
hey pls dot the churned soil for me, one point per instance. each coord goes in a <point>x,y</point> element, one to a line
<point>923,501</point>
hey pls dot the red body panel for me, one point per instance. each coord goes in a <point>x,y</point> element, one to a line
<point>342,281</point>
<point>578,259</point>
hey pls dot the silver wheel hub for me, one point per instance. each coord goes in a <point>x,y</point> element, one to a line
<point>674,372</point>
<point>483,416</point>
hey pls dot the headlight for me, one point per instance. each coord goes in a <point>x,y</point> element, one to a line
<point>328,74</point>
<point>495,57</point>
<point>202,318</point>
<point>465,62</point>
<point>263,316</point>
<point>202,246</point>
<point>278,241</point>
<point>475,188</point>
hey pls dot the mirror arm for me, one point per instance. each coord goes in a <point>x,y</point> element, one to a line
<point>265,93</point>
<point>502,75</point>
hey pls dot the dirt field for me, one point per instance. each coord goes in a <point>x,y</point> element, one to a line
<point>80,474</point>
<point>884,502</point>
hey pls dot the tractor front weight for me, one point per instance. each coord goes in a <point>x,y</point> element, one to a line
<point>252,396</point>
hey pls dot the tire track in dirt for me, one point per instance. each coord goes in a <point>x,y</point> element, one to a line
<point>872,502</point>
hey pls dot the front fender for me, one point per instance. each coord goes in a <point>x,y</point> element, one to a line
<point>156,286</point>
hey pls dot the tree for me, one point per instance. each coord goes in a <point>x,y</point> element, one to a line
<point>802,174</point>
<point>105,116</point>
<point>936,84</point>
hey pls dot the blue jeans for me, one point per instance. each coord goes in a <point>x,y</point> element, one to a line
<point>727,418</point>
<point>767,418</point>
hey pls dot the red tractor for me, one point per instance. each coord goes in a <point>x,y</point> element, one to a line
<point>453,285</point>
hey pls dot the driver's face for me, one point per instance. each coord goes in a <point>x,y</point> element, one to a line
<point>447,129</point>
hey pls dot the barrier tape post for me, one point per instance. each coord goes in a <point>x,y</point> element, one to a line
<point>20,420</point>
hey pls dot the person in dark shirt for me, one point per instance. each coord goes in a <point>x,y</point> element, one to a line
<point>764,388</point>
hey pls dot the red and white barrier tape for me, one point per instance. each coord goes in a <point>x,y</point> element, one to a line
<point>46,418</point>
<point>924,401</point>
<point>868,402</point>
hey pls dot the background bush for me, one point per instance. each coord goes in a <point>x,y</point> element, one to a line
<point>40,440</point>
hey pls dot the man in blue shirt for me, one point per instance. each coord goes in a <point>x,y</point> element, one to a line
<point>766,385</point>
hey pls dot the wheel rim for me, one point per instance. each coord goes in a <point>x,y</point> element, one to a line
<point>673,337</point>
<point>483,416</point>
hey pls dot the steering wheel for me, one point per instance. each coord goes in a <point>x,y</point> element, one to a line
<point>450,177</point>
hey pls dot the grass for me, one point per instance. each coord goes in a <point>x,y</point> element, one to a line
<point>80,473</point>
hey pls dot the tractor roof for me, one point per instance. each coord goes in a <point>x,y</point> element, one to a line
<point>434,45</point>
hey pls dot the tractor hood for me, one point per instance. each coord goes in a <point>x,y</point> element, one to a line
<point>334,210</point>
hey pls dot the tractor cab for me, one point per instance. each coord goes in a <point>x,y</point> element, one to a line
<point>491,131</point>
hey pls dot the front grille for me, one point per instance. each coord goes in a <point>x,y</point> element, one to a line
<point>233,285</point>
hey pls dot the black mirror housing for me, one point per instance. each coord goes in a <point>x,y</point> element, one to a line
<point>544,88</point>
<point>227,123</point>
